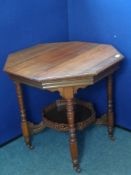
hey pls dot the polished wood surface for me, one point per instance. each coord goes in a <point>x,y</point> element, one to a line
<point>64,67</point>
<point>24,124</point>
<point>75,63</point>
<point>110,113</point>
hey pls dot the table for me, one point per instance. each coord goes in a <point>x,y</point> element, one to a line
<point>64,67</point>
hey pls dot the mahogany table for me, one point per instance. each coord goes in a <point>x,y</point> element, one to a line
<point>64,67</point>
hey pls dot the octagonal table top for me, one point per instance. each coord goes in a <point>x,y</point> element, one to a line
<point>63,61</point>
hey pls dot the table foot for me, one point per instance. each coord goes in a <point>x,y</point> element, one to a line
<point>77,168</point>
<point>28,142</point>
<point>110,133</point>
<point>30,146</point>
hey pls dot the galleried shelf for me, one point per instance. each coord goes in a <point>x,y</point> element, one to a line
<point>55,115</point>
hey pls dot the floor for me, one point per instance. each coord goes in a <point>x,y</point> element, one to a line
<point>98,155</point>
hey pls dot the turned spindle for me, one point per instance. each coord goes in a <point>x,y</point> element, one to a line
<point>24,124</point>
<point>110,114</point>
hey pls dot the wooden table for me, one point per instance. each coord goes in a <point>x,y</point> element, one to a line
<point>64,67</point>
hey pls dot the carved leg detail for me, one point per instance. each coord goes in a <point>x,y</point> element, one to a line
<point>110,107</point>
<point>73,140</point>
<point>24,125</point>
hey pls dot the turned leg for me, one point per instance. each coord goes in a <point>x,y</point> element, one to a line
<point>72,131</point>
<point>24,125</point>
<point>68,94</point>
<point>110,114</point>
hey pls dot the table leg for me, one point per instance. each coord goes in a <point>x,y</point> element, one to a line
<point>110,114</point>
<point>24,125</point>
<point>68,94</point>
<point>72,131</point>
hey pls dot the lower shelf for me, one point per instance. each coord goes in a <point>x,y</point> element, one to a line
<point>55,115</point>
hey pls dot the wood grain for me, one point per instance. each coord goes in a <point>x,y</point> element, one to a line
<point>48,63</point>
<point>64,67</point>
<point>110,114</point>
<point>24,124</point>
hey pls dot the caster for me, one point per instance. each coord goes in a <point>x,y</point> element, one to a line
<point>112,137</point>
<point>30,146</point>
<point>110,133</point>
<point>77,168</point>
